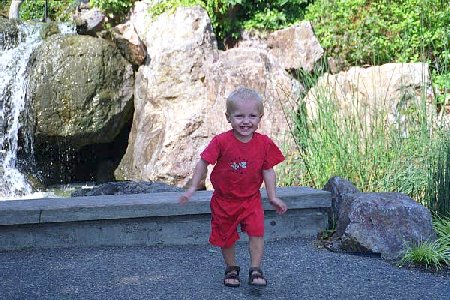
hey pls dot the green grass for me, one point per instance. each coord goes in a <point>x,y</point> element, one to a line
<point>375,155</point>
<point>431,254</point>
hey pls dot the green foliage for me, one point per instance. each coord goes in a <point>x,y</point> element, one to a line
<point>437,197</point>
<point>229,17</point>
<point>4,7</point>
<point>427,254</point>
<point>442,227</point>
<point>171,5</point>
<point>57,10</point>
<point>113,7</point>
<point>434,254</point>
<point>375,155</point>
<point>380,31</point>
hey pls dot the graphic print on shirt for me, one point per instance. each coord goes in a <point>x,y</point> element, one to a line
<point>238,165</point>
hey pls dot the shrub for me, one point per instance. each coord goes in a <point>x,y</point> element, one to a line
<point>113,7</point>
<point>380,31</point>
<point>229,17</point>
<point>57,10</point>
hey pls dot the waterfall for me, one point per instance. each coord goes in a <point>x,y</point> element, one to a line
<point>13,82</point>
<point>14,56</point>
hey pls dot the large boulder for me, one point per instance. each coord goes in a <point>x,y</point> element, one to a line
<point>80,94</point>
<point>295,47</point>
<point>382,223</point>
<point>389,89</point>
<point>339,188</point>
<point>170,98</point>
<point>180,96</point>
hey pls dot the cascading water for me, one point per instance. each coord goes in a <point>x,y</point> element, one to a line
<point>13,82</point>
<point>13,70</point>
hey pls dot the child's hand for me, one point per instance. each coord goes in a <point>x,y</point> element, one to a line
<point>185,197</point>
<point>279,205</point>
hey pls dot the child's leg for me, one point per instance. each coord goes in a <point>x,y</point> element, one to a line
<point>229,256</point>
<point>256,248</point>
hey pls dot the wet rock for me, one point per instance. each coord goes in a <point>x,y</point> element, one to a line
<point>126,187</point>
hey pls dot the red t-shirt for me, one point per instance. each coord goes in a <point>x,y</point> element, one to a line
<point>238,166</point>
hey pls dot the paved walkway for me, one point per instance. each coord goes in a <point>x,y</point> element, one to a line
<point>295,269</point>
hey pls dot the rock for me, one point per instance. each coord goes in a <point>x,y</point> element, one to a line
<point>180,96</point>
<point>127,187</point>
<point>170,98</point>
<point>253,39</point>
<point>382,223</point>
<point>295,47</point>
<point>79,96</point>
<point>49,29</point>
<point>89,21</point>
<point>390,89</point>
<point>338,187</point>
<point>9,33</point>
<point>129,43</point>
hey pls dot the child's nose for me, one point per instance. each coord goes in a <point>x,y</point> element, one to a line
<point>246,119</point>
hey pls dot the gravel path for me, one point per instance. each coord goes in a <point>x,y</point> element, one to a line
<point>295,269</point>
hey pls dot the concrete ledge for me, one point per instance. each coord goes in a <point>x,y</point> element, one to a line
<point>144,219</point>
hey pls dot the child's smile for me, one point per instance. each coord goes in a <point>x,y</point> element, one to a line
<point>244,120</point>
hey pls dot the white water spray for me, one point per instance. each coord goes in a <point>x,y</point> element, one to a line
<point>13,82</point>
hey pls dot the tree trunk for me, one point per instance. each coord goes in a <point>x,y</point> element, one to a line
<point>14,9</point>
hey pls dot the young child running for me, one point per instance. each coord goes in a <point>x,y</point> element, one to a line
<point>242,160</point>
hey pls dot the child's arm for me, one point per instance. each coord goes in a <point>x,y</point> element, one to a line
<point>270,183</point>
<point>199,173</point>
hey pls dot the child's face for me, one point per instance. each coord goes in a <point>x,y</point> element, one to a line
<point>244,119</point>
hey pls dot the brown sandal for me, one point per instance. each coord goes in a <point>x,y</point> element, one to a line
<point>232,272</point>
<point>256,273</point>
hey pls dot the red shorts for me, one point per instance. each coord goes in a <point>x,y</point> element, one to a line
<point>227,214</point>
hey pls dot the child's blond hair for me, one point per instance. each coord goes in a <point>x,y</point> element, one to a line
<point>243,94</point>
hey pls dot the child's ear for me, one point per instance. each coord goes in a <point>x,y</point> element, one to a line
<point>228,117</point>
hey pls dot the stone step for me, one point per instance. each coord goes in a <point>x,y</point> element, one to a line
<point>145,219</point>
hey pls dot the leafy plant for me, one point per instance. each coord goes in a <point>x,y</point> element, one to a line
<point>442,226</point>
<point>427,254</point>
<point>380,31</point>
<point>113,7</point>
<point>431,254</point>
<point>56,10</point>
<point>229,17</point>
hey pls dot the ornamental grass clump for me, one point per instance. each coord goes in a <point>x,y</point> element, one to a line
<point>373,153</point>
<point>437,196</point>
<point>442,227</point>
<point>431,254</point>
